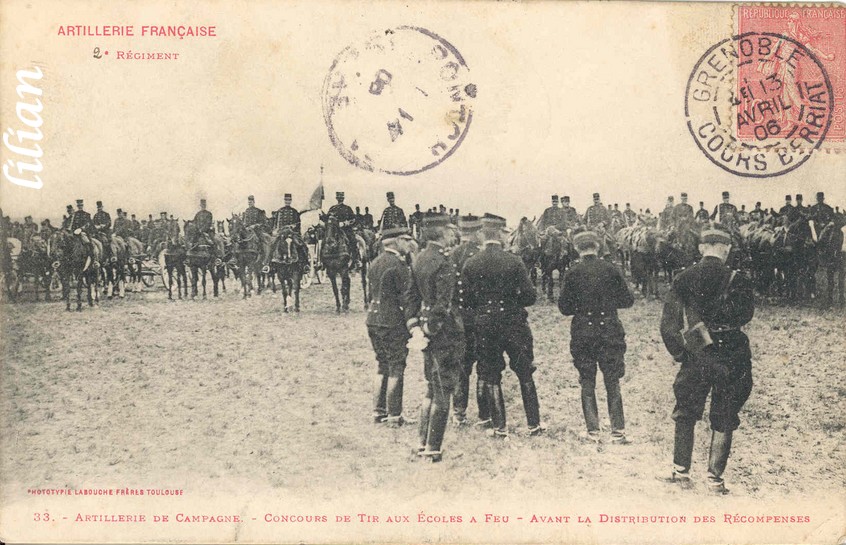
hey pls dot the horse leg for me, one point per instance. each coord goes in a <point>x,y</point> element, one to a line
<point>345,291</point>
<point>66,291</point>
<point>204,270</point>
<point>334,283</point>
<point>170,283</point>
<point>364,283</point>
<point>79,281</point>
<point>295,284</point>
<point>284,285</point>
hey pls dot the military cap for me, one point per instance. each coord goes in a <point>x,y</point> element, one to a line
<point>715,236</point>
<point>28,218</point>
<point>288,196</point>
<point>99,203</point>
<point>70,207</point>
<point>798,196</point>
<point>628,204</point>
<point>393,232</point>
<point>758,203</point>
<point>390,194</point>
<point>585,239</point>
<point>788,198</point>
<point>163,214</point>
<point>725,194</point>
<point>469,223</point>
<point>493,221</point>
<point>820,195</point>
<point>119,210</point>
<point>251,198</point>
<point>566,198</point>
<point>555,198</point>
<point>701,203</point>
<point>78,202</point>
<point>684,194</point>
<point>670,198</point>
<point>202,201</point>
<point>596,196</point>
<point>339,194</point>
<point>435,219</point>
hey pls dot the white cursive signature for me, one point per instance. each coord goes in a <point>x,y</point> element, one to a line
<point>29,115</point>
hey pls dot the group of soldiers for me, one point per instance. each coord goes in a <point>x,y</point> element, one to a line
<point>563,216</point>
<point>464,305</point>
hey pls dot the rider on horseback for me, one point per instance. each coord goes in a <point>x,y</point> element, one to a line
<point>203,225</point>
<point>80,224</point>
<point>102,223</point>
<point>287,218</point>
<point>346,221</point>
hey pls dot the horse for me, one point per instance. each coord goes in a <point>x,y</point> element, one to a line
<point>199,258</point>
<point>368,249</point>
<point>247,249</point>
<point>556,251</point>
<point>224,260</point>
<point>34,260</point>
<point>525,243</point>
<point>134,265</point>
<point>287,266</point>
<point>114,268</point>
<point>830,254</point>
<point>641,244</point>
<point>78,264</point>
<point>335,257</point>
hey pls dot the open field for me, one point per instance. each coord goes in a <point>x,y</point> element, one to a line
<point>196,394</point>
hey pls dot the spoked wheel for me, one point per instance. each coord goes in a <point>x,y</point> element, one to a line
<point>148,279</point>
<point>163,270</point>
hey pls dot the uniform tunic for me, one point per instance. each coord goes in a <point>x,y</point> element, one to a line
<point>389,278</point>
<point>596,214</point>
<point>102,222</point>
<point>203,221</point>
<point>459,258</point>
<point>682,212</point>
<point>725,213</point>
<point>80,220</point>
<point>702,215</point>
<point>822,214</point>
<point>552,217</point>
<point>254,216</point>
<point>287,216</point>
<point>392,216</point>
<point>497,288</point>
<point>725,368</point>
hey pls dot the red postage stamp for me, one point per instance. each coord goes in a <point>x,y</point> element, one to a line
<point>821,30</point>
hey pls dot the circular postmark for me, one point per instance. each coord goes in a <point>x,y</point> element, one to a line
<point>399,103</point>
<point>758,104</point>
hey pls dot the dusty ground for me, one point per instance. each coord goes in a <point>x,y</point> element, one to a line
<point>231,390</point>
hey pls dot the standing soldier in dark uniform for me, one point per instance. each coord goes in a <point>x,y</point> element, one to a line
<point>469,227</point>
<point>702,215</point>
<point>435,322</point>
<point>591,292</point>
<point>497,288</point>
<point>709,292</point>
<point>757,214</point>
<point>821,213</point>
<point>725,212</point>
<point>787,208</point>
<point>665,216</point>
<point>346,221</point>
<point>203,222</point>
<point>683,212</point>
<point>392,216</point>
<point>289,217</point>
<point>389,278</point>
<point>254,217</point>
<point>630,215</point>
<point>596,213</point>
<point>552,217</point>
<point>571,216</point>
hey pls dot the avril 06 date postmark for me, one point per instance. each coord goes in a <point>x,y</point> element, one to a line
<point>759,104</point>
<point>400,103</point>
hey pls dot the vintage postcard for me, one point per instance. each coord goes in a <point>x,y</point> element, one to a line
<point>392,272</point>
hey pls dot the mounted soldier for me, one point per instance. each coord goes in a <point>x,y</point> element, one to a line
<point>203,223</point>
<point>414,221</point>
<point>665,216</point>
<point>725,212</point>
<point>346,222</point>
<point>102,222</point>
<point>596,213</point>
<point>552,217</point>
<point>821,213</point>
<point>392,216</point>
<point>67,218</point>
<point>80,224</point>
<point>702,215</point>
<point>701,329</point>
<point>571,216</point>
<point>122,226</point>
<point>682,212</point>
<point>630,215</point>
<point>288,218</point>
<point>787,209</point>
<point>367,219</point>
<point>757,214</point>
<point>254,218</point>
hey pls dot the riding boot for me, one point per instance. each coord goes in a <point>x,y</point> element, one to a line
<point>438,418</point>
<point>683,445</point>
<point>394,395</point>
<point>497,408</point>
<point>530,403</point>
<point>462,395</point>
<point>589,408</point>
<point>718,458</point>
<point>482,400</point>
<point>423,428</point>
<point>615,406</point>
<point>380,412</point>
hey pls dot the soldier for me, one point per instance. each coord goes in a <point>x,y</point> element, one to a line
<point>630,215</point>
<point>346,221</point>
<point>497,288</point>
<point>617,216</point>
<point>596,213</point>
<point>392,216</point>
<point>203,222</point>
<point>552,217</point>
<point>571,216</point>
<point>787,209</point>
<point>414,221</point>
<point>711,294</point>
<point>469,227</point>
<point>725,212</point>
<point>665,216</point>
<point>683,212</point>
<point>122,226</point>
<point>30,229</point>
<point>254,217</point>
<point>389,278</point>
<point>102,223</point>
<point>68,217</point>
<point>359,218</point>
<point>757,214</point>
<point>47,229</point>
<point>136,227</point>
<point>702,215</point>
<point>367,219</point>
<point>800,211</point>
<point>435,324</point>
<point>742,215</point>
<point>821,213</point>
<point>591,292</point>
<point>80,224</point>
<point>289,217</point>
<point>648,219</point>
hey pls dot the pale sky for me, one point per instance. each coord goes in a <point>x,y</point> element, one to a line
<point>572,98</point>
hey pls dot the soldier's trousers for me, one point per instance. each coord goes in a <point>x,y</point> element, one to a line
<point>441,367</point>
<point>607,353</point>
<point>469,357</point>
<point>389,344</point>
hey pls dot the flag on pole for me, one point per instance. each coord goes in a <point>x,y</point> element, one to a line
<point>316,200</point>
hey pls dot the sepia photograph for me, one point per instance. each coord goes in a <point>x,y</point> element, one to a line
<point>435,272</point>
